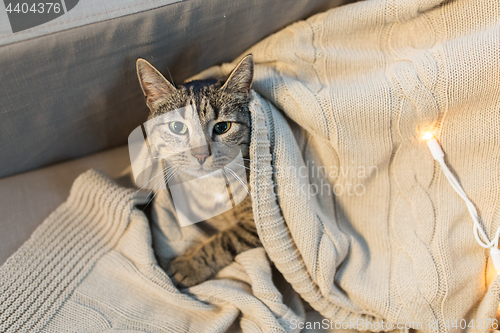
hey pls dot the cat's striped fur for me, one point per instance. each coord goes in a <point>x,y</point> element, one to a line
<point>216,101</point>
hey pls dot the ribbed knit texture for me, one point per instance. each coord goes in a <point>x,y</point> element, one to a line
<point>39,278</point>
<point>358,85</point>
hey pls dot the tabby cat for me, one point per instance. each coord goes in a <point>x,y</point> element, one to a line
<point>221,108</point>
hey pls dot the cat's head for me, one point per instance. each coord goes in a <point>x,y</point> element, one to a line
<point>200,126</point>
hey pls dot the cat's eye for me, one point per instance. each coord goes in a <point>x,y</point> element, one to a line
<point>178,127</point>
<point>222,127</point>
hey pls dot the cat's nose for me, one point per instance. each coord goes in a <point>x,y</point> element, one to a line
<point>201,158</point>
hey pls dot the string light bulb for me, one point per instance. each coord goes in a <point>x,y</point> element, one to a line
<point>426,136</point>
<point>481,237</point>
<point>434,147</point>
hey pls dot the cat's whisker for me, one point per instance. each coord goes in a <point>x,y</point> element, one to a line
<point>255,169</point>
<point>225,175</point>
<point>244,166</point>
<point>162,171</point>
<point>246,160</point>
<point>250,160</point>
<point>173,174</point>
<point>155,157</point>
<point>143,187</point>
<point>242,158</point>
<point>153,192</point>
<point>239,180</point>
<point>158,184</point>
<point>231,183</point>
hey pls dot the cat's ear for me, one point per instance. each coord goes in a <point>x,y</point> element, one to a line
<point>153,84</point>
<point>240,79</point>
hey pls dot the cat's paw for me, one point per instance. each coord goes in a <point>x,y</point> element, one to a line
<point>187,271</point>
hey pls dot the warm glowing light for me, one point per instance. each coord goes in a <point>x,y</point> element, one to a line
<point>495,257</point>
<point>427,136</point>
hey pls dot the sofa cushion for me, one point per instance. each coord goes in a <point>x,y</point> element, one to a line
<point>68,15</point>
<point>27,199</point>
<point>73,90</point>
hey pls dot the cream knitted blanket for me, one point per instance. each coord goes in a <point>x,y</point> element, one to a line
<point>349,204</point>
<point>90,267</point>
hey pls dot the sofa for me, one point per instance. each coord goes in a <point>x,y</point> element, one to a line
<point>69,95</point>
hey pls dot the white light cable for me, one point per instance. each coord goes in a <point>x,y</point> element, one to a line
<point>479,233</point>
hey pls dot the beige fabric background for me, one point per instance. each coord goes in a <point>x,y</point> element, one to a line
<point>358,84</point>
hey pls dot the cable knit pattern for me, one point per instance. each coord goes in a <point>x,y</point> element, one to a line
<point>412,218</point>
<point>357,86</point>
